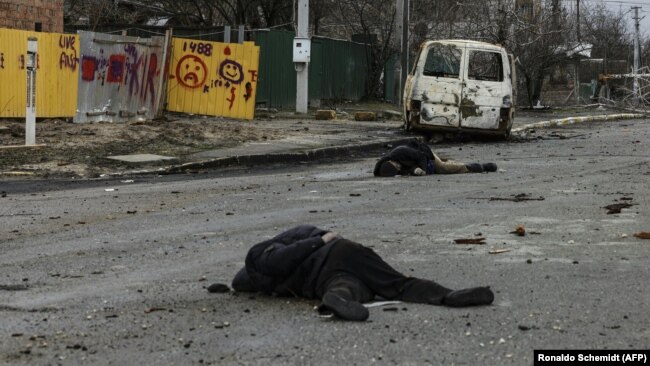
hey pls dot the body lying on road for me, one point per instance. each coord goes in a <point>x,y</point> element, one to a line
<point>309,262</point>
<point>416,158</point>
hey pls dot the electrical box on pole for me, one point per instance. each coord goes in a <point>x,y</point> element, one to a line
<point>301,49</point>
<point>31,65</point>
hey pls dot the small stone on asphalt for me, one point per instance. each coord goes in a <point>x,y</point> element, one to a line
<point>218,288</point>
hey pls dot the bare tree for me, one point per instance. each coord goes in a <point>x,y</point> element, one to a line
<point>255,13</point>
<point>645,52</point>
<point>541,43</point>
<point>319,11</point>
<point>207,13</point>
<point>607,32</point>
<point>91,12</point>
<point>536,35</point>
<point>374,21</point>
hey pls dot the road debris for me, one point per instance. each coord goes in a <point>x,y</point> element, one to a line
<point>479,241</point>
<point>381,303</point>
<point>519,230</point>
<point>617,207</point>
<point>218,288</point>
<point>643,235</point>
<point>152,309</point>
<point>13,288</point>
<point>514,198</point>
<point>518,198</point>
<point>499,251</point>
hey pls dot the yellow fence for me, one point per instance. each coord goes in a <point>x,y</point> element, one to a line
<point>56,76</point>
<point>210,78</point>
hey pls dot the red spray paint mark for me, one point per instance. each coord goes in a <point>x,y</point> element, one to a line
<point>191,71</point>
<point>116,69</point>
<point>249,92</point>
<point>232,97</point>
<point>88,68</point>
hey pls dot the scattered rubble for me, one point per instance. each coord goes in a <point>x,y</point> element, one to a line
<point>617,207</point>
<point>479,241</point>
<point>499,251</point>
<point>218,288</point>
<point>519,230</point>
<point>643,235</point>
<point>518,198</point>
<point>324,114</point>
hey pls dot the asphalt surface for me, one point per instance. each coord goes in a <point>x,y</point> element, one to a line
<point>114,271</point>
<point>306,140</point>
<point>346,137</point>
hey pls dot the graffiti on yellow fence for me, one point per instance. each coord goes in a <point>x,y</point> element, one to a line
<point>57,63</point>
<point>213,78</point>
<point>69,57</point>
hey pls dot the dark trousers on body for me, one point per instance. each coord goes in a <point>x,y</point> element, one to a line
<point>357,273</point>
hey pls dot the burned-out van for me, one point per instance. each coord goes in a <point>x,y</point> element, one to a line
<point>461,86</point>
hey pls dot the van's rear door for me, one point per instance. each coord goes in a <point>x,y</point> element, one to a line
<point>484,88</point>
<point>438,85</point>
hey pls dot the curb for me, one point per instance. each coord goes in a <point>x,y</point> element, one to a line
<point>329,152</point>
<point>308,155</point>
<point>572,120</point>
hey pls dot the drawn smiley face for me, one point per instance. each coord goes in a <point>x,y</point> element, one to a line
<point>191,71</point>
<point>231,71</point>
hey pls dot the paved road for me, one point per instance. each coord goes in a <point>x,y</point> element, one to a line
<point>114,272</point>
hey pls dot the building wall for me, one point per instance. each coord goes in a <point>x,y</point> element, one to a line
<point>24,14</point>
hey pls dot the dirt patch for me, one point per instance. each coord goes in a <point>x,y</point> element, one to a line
<point>81,149</point>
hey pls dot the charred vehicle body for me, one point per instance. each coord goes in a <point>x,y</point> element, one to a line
<point>461,86</point>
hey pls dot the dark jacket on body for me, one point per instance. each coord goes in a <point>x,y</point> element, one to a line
<point>289,264</point>
<point>413,155</point>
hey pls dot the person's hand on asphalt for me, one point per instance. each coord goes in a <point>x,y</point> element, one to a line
<point>419,172</point>
<point>329,236</point>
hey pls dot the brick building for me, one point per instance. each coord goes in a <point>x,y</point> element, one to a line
<point>38,15</point>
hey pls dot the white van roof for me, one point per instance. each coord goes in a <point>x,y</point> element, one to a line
<point>465,43</point>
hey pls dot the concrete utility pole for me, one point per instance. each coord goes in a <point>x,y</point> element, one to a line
<point>637,35</point>
<point>302,68</point>
<point>397,77</point>
<point>402,36</point>
<point>405,47</point>
<point>578,18</point>
<point>576,66</point>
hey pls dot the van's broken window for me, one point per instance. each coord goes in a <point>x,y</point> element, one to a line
<point>485,66</point>
<point>442,60</point>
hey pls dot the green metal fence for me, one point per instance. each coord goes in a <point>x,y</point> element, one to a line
<point>338,69</point>
<point>276,85</point>
<point>342,68</point>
